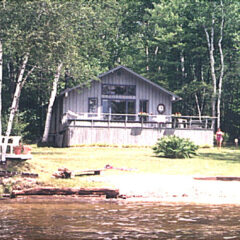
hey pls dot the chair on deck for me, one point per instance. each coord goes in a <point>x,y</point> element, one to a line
<point>13,141</point>
<point>160,119</point>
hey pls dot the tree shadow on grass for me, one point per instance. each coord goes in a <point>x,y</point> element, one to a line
<point>222,156</point>
<point>16,165</point>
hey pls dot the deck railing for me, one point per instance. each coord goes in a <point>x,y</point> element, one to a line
<point>142,120</point>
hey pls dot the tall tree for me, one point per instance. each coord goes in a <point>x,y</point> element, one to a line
<point>51,102</point>
<point>1,78</point>
<point>79,27</point>
<point>188,31</point>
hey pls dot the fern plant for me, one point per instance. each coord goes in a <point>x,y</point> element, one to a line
<point>175,147</point>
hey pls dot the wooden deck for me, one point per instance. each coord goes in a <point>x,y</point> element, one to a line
<point>146,121</point>
<point>131,129</point>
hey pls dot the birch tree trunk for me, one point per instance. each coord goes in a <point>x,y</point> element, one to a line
<point>198,107</point>
<point>182,61</point>
<point>14,106</point>
<point>210,42</point>
<point>50,105</point>
<point>221,73</point>
<point>1,78</point>
<point>22,84</point>
<point>147,58</point>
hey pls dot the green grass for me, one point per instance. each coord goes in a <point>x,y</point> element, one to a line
<point>46,161</point>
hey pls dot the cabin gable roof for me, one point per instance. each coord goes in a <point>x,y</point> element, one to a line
<point>174,96</point>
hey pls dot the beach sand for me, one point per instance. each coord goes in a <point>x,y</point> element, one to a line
<point>175,188</point>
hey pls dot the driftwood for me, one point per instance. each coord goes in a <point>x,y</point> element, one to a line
<point>66,173</point>
<point>221,178</point>
<point>62,173</point>
<point>109,193</point>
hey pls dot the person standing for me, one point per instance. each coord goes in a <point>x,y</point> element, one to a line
<point>219,137</point>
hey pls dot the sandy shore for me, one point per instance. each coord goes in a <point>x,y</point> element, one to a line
<point>172,188</point>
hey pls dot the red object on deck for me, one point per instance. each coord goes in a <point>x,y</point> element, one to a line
<point>26,150</point>
<point>21,150</point>
<point>17,150</point>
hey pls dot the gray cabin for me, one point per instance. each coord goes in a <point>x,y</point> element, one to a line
<point>122,108</point>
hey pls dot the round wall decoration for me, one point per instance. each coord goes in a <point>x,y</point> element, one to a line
<point>161,108</point>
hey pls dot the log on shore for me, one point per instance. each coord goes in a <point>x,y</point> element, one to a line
<point>109,193</point>
<point>219,178</point>
<point>22,174</point>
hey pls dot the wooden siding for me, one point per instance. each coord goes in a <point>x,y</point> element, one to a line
<point>77,99</point>
<point>132,136</point>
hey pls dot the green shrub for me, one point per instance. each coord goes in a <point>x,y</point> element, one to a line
<point>175,147</point>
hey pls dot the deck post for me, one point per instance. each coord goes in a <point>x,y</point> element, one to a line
<point>108,120</point>
<point>206,123</point>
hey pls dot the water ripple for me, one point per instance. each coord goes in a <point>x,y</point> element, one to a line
<point>107,220</point>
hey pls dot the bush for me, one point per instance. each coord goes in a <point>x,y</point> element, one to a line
<point>175,147</point>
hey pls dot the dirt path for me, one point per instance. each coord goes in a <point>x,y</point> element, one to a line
<point>176,188</point>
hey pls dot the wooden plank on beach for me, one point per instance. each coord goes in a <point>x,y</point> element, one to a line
<point>220,178</point>
<point>87,172</point>
<point>66,173</point>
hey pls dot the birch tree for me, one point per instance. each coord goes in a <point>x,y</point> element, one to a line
<point>51,102</point>
<point>79,27</point>
<point>14,106</point>
<point>222,67</point>
<point>23,49</point>
<point>1,67</point>
<point>210,37</point>
<point>1,78</point>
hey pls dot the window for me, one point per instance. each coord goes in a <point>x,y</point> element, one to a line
<point>92,105</point>
<point>143,106</point>
<point>116,107</point>
<point>124,90</point>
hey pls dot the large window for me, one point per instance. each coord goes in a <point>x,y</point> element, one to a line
<point>124,90</point>
<point>119,108</point>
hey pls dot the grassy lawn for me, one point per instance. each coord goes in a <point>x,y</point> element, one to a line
<point>46,161</point>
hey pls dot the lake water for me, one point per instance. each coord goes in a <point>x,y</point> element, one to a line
<point>69,220</point>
